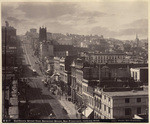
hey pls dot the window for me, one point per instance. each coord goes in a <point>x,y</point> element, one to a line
<point>127,111</point>
<point>104,97</point>
<point>104,107</point>
<point>138,99</point>
<point>133,75</point>
<point>127,100</point>
<point>109,99</point>
<point>100,104</point>
<point>136,76</point>
<point>108,109</point>
<point>139,110</point>
<point>96,102</point>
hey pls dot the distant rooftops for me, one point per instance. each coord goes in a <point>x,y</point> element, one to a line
<point>63,47</point>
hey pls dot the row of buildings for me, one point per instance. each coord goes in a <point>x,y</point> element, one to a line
<point>101,85</point>
<point>12,67</point>
<point>104,91</point>
<point>46,50</point>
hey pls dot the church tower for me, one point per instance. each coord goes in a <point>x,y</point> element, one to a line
<point>137,41</point>
<point>42,34</point>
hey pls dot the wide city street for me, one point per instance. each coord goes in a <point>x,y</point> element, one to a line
<point>42,104</point>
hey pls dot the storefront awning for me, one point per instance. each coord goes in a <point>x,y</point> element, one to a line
<point>87,112</point>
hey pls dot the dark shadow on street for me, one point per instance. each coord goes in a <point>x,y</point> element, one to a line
<point>40,110</point>
<point>36,94</point>
<point>27,72</point>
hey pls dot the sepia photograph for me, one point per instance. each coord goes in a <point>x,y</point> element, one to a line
<point>74,61</point>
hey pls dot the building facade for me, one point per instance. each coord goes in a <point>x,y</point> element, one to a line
<point>140,74</point>
<point>120,104</point>
<point>42,34</point>
<point>102,58</point>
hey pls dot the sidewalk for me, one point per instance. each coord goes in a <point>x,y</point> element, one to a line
<point>69,107</point>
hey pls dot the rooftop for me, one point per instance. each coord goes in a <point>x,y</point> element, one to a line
<point>63,47</point>
<point>105,53</point>
<point>127,93</point>
<point>140,68</point>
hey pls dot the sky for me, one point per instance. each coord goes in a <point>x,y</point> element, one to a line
<point>121,20</point>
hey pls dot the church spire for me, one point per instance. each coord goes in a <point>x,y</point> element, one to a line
<point>137,40</point>
<point>136,36</point>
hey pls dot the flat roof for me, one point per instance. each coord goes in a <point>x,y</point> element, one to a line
<point>105,53</point>
<point>140,68</point>
<point>127,93</point>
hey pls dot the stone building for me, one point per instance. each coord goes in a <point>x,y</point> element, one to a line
<point>121,104</point>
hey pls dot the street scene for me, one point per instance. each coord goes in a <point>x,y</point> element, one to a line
<point>58,66</point>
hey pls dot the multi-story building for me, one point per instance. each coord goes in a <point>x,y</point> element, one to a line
<point>121,104</point>
<point>56,68</point>
<point>73,82</point>
<point>102,58</point>
<point>82,87</point>
<point>46,47</point>
<point>46,56</point>
<point>76,81</point>
<point>140,74</point>
<point>11,71</point>
<point>65,72</point>
<point>88,87</point>
<point>33,30</point>
<point>64,50</point>
<point>8,33</point>
<point>85,77</point>
<point>46,51</point>
<point>63,75</point>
